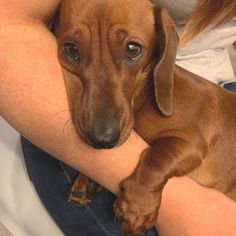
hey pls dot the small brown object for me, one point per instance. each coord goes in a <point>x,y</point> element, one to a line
<point>83,190</point>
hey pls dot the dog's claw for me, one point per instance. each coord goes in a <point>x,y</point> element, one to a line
<point>79,198</point>
<point>93,190</point>
<point>146,232</point>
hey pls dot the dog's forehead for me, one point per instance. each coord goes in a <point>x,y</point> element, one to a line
<point>111,12</point>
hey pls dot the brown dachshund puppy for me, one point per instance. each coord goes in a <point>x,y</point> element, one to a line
<point>118,58</point>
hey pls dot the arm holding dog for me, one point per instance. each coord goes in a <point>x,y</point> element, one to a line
<point>32,95</point>
<point>197,211</point>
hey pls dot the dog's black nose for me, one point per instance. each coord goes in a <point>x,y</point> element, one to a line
<point>104,136</point>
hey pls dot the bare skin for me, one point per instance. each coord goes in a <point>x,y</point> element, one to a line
<point>33,100</point>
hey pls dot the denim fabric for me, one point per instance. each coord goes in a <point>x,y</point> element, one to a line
<point>52,185</point>
<point>230,86</point>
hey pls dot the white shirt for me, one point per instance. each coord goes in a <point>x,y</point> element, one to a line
<point>208,54</point>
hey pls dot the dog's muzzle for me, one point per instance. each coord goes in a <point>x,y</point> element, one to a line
<point>104,136</point>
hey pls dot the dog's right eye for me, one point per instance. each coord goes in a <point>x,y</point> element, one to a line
<point>133,51</point>
<point>71,51</point>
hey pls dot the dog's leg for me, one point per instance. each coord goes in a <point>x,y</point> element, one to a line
<point>83,190</point>
<point>139,199</point>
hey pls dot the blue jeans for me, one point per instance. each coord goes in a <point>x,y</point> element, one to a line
<point>52,186</point>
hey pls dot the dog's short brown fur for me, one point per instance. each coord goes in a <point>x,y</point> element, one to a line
<point>189,122</point>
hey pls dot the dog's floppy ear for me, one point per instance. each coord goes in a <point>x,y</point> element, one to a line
<point>167,40</point>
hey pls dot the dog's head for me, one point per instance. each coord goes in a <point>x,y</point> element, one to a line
<point>105,47</point>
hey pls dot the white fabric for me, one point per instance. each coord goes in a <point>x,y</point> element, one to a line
<point>180,10</point>
<point>232,54</point>
<point>207,55</point>
<point>20,208</point>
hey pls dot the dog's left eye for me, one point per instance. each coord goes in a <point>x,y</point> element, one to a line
<point>134,51</point>
<point>71,51</point>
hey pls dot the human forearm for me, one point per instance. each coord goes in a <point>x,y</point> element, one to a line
<point>34,10</point>
<point>190,209</point>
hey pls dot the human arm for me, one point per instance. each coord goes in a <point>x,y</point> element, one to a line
<point>190,209</point>
<point>33,100</point>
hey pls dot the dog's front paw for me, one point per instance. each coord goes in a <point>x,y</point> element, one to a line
<point>83,191</point>
<point>135,210</point>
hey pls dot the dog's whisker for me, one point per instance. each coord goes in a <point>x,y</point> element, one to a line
<point>129,140</point>
<point>59,112</point>
<point>66,124</point>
